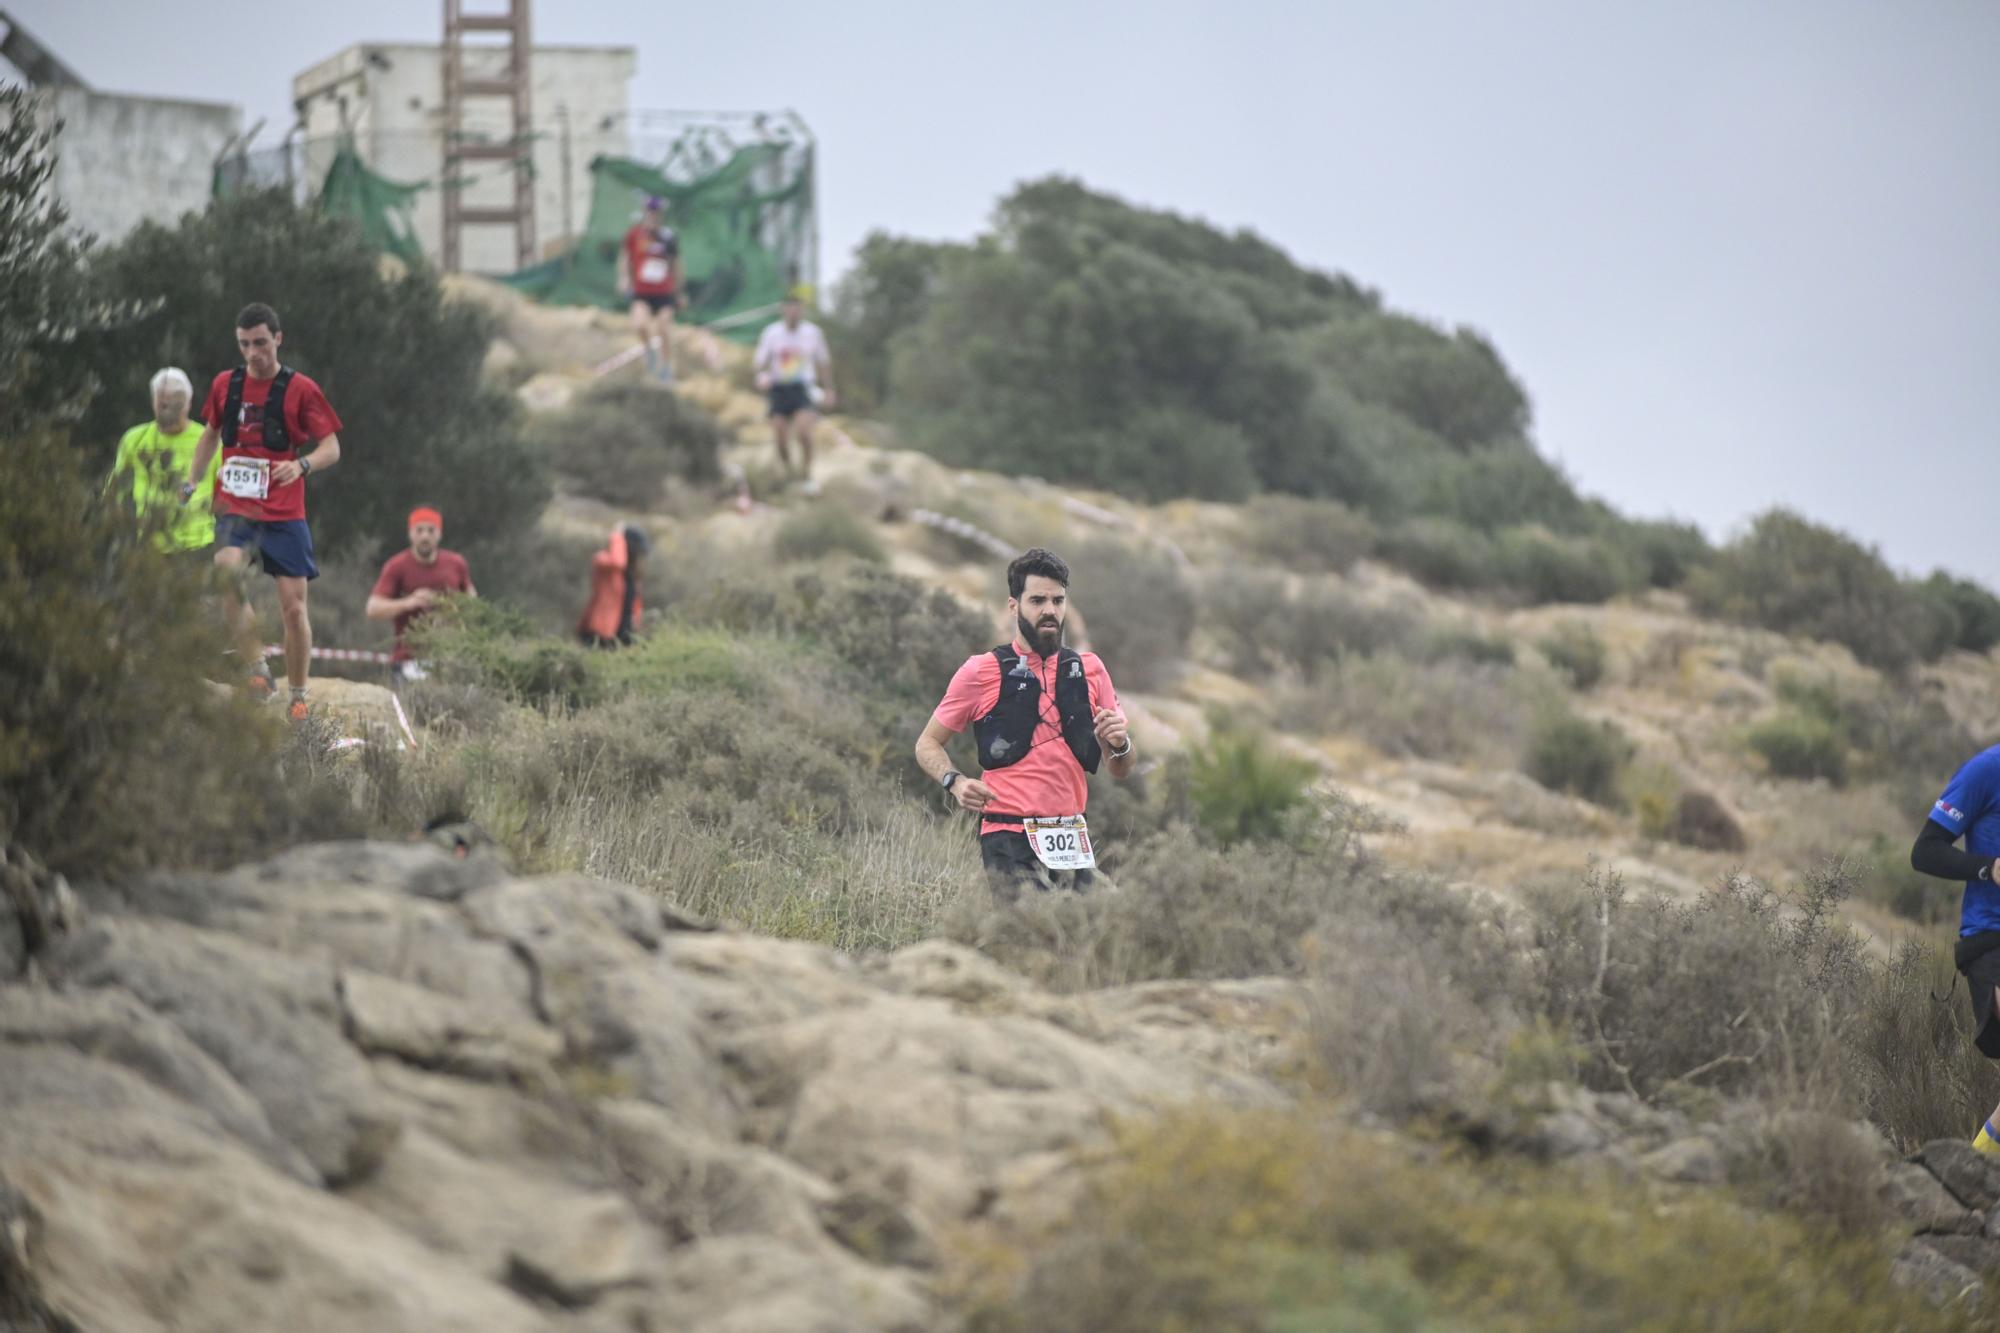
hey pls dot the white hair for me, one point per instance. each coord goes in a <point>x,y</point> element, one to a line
<point>173,377</point>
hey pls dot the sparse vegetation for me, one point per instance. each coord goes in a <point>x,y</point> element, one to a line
<point>827,530</point>
<point>1575,650</point>
<point>1138,609</point>
<point>1311,536</point>
<point>622,441</point>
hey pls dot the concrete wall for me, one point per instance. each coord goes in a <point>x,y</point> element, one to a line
<point>391,97</point>
<point>125,160</point>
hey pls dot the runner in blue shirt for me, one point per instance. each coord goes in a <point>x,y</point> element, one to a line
<point>1970,809</point>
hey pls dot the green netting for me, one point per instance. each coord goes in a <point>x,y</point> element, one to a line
<point>382,208</point>
<point>745,218</point>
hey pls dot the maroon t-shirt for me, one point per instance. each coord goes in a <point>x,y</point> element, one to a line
<point>404,574</point>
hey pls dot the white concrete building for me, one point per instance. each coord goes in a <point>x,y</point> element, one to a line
<point>390,97</point>
<point>126,160</point>
<point>120,160</point>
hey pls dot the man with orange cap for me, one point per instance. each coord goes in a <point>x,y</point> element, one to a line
<point>412,580</point>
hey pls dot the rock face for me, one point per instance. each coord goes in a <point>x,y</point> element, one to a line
<point>373,1086</point>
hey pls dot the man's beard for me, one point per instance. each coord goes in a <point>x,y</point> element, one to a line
<point>1035,640</point>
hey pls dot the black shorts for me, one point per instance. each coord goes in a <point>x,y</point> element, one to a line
<point>656,302</point>
<point>1978,957</point>
<point>788,400</point>
<point>1011,866</point>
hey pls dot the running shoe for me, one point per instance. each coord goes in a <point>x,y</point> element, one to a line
<point>299,711</point>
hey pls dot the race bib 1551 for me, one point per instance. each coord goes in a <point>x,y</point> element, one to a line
<point>247,478</point>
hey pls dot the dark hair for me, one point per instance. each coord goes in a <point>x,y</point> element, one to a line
<point>250,316</point>
<point>1035,560</point>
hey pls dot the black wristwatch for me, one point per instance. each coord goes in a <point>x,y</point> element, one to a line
<point>305,467</point>
<point>950,778</point>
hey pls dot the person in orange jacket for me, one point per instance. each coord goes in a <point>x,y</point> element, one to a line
<point>613,612</point>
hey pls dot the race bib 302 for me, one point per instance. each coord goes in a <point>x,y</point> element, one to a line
<point>1062,843</point>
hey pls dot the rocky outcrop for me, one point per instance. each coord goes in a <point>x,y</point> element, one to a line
<point>377,1086</point>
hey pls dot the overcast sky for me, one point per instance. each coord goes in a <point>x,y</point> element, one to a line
<point>1741,254</point>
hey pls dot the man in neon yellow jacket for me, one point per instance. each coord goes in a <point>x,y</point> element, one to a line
<point>157,454</point>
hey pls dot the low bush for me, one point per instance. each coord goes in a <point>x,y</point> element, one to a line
<point>1575,650</point>
<point>1187,908</point>
<point>1729,992</point>
<point>1576,755</point>
<point>1137,608</point>
<point>1289,1220</point>
<point>822,531</point>
<point>623,440</point>
<point>1440,554</point>
<point>1911,1050</point>
<point>1541,566</point>
<point>1801,745</point>
<point>1311,536</point>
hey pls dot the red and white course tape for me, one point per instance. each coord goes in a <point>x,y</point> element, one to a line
<point>335,654</point>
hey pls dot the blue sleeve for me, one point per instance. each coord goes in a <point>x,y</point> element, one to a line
<point>1967,795</point>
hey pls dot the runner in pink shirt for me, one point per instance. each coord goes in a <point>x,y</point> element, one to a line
<point>1044,716</point>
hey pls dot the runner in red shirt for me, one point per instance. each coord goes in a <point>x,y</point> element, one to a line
<point>270,445</point>
<point>1044,715</point>
<point>411,581</point>
<point>649,267</point>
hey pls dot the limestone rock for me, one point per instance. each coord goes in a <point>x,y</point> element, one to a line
<point>273,1022</point>
<point>439,1032</point>
<point>1940,1280</point>
<point>1692,1161</point>
<point>1916,1196</point>
<point>1972,1177</point>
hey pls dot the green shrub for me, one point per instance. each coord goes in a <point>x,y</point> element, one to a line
<point>115,752</point>
<point>1573,754</point>
<point>1441,554</point>
<point>486,644</point>
<point>1544,567</point>
<point>1313,536</point>
<point>623,440</point>
<point>1502,486</point>
<point>1575,650</point>
<point>45,303</point>
<point>1796,577</point>
<point>1243,789</point>
<point>1665,552</point>
<point>1970,610</point>
<point>1801,745</point>
<point>1137,608</point>
<point>399,361</point>
<point>821,531</point>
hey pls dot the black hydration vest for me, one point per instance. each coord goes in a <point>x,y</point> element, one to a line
<point>276,438</point>
<point>1005,734</point>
